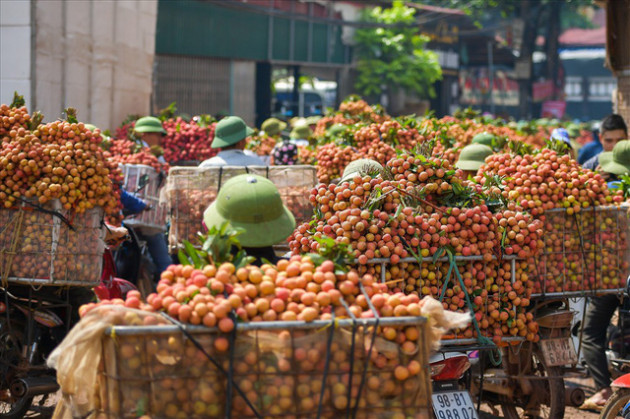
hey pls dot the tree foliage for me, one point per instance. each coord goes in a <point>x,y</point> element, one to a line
<point>394,56</point>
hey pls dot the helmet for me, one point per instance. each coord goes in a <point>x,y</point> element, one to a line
<point>360,167</point>
<point>473,156</point>
<point>90,127</point>
<point>149,124</point>
<point>561,134</point>
<point>301,132</point>
<point>253,203</point>
<point>273,126</point>
<point>230,131</point>
<point>484,138</point>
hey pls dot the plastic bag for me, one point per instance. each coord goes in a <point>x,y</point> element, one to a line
<point>440,320</point>
<point>78,357</point>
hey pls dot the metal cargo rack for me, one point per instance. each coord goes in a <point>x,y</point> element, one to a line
<point>187,354</point>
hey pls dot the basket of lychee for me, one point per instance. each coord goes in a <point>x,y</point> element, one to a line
<point>281,339</point>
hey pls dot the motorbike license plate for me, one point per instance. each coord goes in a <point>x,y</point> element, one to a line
<point>453,405</point>
<point>559,351</point>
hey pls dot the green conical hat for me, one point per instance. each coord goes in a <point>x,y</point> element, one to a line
<point>484,138</point>
<point>473,156</point>
<point>230,131</point>
<point>617,161</point>
<point>149,124</point>
<point>301,132</point>
<point>273,126</point>
<point>253,203</point>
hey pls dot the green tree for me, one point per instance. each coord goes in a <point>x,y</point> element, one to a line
<point>393,56</point>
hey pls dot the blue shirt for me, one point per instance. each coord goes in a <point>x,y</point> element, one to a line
<point>131,203</point>
<point>589,151</point>
<point>592,163</point>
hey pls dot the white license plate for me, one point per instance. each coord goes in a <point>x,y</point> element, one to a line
<point>453,405</point>
<point>559,351</point>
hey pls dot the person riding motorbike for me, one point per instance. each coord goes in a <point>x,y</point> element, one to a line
<point>151,132</point>
<point>253,204</point>
<point>229,136</point>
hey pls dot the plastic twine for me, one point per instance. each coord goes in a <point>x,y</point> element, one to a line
<point>482,340</point>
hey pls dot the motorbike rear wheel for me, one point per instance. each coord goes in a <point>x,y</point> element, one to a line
<point>615,403</point>
<point>11,406</point>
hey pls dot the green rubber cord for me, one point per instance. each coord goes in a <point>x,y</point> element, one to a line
<point>496,358</point>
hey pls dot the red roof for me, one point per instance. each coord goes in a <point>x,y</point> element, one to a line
<point>584,37</point>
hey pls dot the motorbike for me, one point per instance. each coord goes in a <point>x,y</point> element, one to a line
<point>619,403</point>
<point>450,397</point>
<point>529,381</point>
<point>32,323</point>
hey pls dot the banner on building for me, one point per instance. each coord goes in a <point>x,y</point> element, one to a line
<point>553,109</point>
<point>475,89</point>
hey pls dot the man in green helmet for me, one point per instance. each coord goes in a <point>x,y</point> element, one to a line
<point>229,136</point>
<point>151,132</point>
<point>471,158</point>
<point>252,203</point>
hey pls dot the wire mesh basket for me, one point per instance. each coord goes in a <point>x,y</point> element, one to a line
<point>38,246</point>
<point>145,183</point>
<point>190,190</point>
<point>268,369</point>
<point>584,253</point>
<point>498,292</point>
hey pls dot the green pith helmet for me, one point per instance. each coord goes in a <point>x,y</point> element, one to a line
<point>273,126</point>
<point>473,156</point>
<point>617,161</point>
<point>149,124</point>
<point>360,167</point>
<point>313,119</point>
<point>90,127</point>
<point>253,203</point>
<point>301,132</point>
<point>337,129</point>
<point>484,138</point>
<point>230,131</point>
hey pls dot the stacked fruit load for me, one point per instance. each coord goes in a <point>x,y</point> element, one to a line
<point>428,224</point>
<point>185,140</point>
<point>376,141</point>
<point>123,151</point>
<point>585,241</point>
<point>55,183</point>
<point>286,357</point>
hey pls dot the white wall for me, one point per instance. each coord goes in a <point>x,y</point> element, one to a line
<point>93,55</point>
<point>15,49</point>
